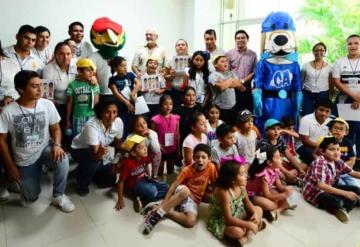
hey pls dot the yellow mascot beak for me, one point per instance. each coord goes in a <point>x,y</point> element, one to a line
<point>108,38</point>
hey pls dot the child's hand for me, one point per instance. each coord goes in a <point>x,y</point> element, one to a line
<point>253,219</point>
<point>131,107</point>
<point>93,81</point>
<point>252,227</point>
<point>120,204</point>
<point>351,196</point>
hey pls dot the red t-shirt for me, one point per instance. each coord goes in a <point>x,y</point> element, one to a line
<point>132,171</point>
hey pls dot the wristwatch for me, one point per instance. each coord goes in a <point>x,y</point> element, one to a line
<point>57,144</point>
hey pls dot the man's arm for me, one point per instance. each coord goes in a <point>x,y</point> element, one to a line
<point>10,165</point>
<point>57,152</point>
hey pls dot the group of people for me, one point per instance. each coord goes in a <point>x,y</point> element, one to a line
<point>195,116</point>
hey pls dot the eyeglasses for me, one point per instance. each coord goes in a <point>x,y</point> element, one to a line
<point>338,128</point>
<point>321,50</point>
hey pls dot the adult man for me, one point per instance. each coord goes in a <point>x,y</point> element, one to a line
<point>211,48</point>
<point>30,121</point>
<point>41,48</point>
<point>242,62</point>
<point>151,49</point>
<point>22,53</point>
<point>76,32</point>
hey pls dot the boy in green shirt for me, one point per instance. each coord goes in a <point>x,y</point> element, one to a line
<point>82,95</point>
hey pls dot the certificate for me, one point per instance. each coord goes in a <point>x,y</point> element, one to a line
<point>346,112</point>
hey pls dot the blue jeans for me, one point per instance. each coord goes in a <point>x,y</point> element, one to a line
<point>90,169</point>
<point>150,190</point>
<point>31,175</point>
<point>310,99</point>
<point>346,179</point>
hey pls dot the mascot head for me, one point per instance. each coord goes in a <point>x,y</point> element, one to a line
<point>278,36</point>
<point>107,36</point>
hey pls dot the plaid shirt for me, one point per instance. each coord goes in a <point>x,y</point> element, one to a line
<point>321,171</point>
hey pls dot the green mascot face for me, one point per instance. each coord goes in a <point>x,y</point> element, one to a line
<point>107,36</point>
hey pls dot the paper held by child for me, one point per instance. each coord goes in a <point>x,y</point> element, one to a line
<point>347,113</point>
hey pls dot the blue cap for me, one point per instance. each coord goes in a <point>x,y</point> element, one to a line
<point>276,21</point>
<point>272,122</point>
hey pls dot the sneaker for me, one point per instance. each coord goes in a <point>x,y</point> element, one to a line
<point>63,203</point>
<point>145,210</point>
<point>270,216</point>
<point>137,204</point>
<point>341,214</point>
<point>4,194</point>
<point>82,191</point>
<point>151,220</point>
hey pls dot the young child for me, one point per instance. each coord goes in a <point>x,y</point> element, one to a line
<point>232,214</point>
<point>198,76</point>
<point>125,87</point>
<point>186,110</point>
<point>157,87</point>
<point>213,121</point>
<point>139,126</point>
<point>134,175</point>
<point>320,182</point>
<point>339,128</point>
<point>225,148</point>
<point>265,187</point>
<point>245,136</point>
<point>185,194</point>
<point>197,125</point>
<point>291,168</point>
<point>289,135</point>
<point>166,125</point>
<point>81,97</point>
<point>222,83</point>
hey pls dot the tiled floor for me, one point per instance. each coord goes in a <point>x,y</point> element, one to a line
<point>96,224</point>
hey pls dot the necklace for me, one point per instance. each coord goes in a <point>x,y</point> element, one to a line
<point>353,70</point>
<point>33,117</point>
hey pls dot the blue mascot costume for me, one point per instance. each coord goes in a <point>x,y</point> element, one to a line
<point>277,92</point>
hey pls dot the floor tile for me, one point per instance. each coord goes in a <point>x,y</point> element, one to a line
<point>2,228</point>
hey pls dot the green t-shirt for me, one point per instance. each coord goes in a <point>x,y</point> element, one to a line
<point>83,97</point>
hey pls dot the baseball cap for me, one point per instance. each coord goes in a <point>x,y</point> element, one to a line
<point>272,122</point>
<point>85,63</point>
<point>130,142</point>
<point>244,115</point>
<point>338,120</point>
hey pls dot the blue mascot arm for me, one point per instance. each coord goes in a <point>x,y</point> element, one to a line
<point>258,105</point>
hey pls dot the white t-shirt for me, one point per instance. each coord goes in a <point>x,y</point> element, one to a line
<point>103,72</point>
<point>144,53</point>
<point>348,71</point>
<point>246,145</point>
<point>9,68</point>
<point>191,141</point>
<point>225,99</point>
<point>199,85</point>
<point>310,127</point>
<point>31,62</point>
<point>316,80</point>
<point>60,78</point>
<point>151,97</point>
<point>211,132</point>
<point>217,153</point>
<point>29,129</point>
<point>94,132</point>
<point>45,55</point>
<point>84,49</point>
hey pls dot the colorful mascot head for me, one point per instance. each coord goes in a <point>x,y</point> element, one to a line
<point>107,36</point>
<point>278,37</point>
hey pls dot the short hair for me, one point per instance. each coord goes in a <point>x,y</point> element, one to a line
<point>216,60</point>
<point>353,36</point>
<point>189,88</point>
<point>327,103</point>
<point>23,77</point>
<point>26,29</point>
<point>321,44</point>
<point>241,31</point>
<point>59,45</point>
<point>288,121</point>
<point>210,32</point>
<point>203,148</point>
<point>100,107</point>
<point>75,23</point>
<point>223,130</point>
<point>41,29</point>
<point>327,141</point>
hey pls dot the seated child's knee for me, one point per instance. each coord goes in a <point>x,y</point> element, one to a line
<point>183,191</point>
<point>190,222</point>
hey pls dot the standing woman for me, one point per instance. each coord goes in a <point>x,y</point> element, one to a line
<point>177,78</point>
<point>41,48</point>
<point>8,70</point>
<point>61,72</point>
<point>316,76</point>
<point>346,74</point>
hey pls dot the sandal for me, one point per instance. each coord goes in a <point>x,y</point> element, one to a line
<point>262,226</point>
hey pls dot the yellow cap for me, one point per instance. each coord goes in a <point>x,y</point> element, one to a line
<point>339,120</point>
<point>85,63</point>
<point>130,141</point>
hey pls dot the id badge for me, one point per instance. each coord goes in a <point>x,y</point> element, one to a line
<point>354,84</point>
<point>169,139</point>
<point>109,156</point>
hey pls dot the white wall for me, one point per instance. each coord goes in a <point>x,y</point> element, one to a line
<point>134,15</point>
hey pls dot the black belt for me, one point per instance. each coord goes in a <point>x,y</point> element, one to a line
<point>275,94</point>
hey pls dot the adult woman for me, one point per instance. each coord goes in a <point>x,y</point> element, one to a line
<point>41,48</point>
<point>61,72</point>
<point>175,72</point>
<point>316,77</point>
<point>346,73</point>
<point>91,148</point>
<point>8,69</point>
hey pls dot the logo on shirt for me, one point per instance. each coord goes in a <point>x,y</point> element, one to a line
<point>281,79</point>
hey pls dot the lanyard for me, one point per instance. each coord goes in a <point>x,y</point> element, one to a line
<point>353,70</point>
<point>20,62</point>
<point>33,118</point>
<point>317,76</point>
<point>46,55</point>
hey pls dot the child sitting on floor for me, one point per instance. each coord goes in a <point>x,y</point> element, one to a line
<point>185,194</point>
